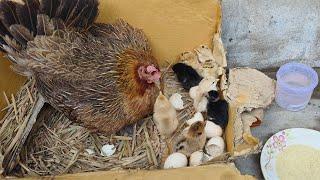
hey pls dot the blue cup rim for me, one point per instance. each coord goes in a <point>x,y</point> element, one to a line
<point>313,75</point>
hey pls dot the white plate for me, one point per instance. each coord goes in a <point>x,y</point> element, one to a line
<point>280,141</point>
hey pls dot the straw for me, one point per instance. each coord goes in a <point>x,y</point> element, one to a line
<point>58,146</point>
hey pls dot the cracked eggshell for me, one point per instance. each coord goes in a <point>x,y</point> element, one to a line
<point>196,158</point>
<point>176,101</point>
<point>176,160</point>
<point>108,150</point>
<point>197,117</point>
<point>215,146</point>
<point>213,130</point>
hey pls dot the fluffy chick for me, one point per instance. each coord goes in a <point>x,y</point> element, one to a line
<point>217,112</point>
<point>165,116</point>
<point>194,139</point>
<point>187,76</point>
<point>199,93</point>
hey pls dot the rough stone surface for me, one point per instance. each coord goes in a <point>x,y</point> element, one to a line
<point>269,33</point>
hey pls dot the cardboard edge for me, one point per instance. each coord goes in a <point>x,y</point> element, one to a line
<point>216,171</point>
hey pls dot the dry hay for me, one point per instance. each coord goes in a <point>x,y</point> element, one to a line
<point>58,146</point>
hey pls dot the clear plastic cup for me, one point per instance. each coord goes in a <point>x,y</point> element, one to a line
<point>295,85</point>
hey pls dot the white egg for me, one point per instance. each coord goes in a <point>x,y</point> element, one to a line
<point>197,117</point>
<point>176,160</point>
<point>108,150</point>
<point>212,130</point>
<point>215,146</point>
<point>176,101</point>
<point>202,106</point>
<point>196,158</point>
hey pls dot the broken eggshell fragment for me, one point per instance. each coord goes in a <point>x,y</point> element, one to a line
<point>108,150</point>
<point>212,130</point>
<point>215,147</point>
<point>176,101</point>
<point>197,158</point>
<point>197,117</point>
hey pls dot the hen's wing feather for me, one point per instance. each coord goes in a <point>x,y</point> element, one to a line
<point>82,73</point>
<point>121,35</point>
<point>87,85</point>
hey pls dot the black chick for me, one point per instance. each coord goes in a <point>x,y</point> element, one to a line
<point>217,110</point>
<point>186,75</point>
<point>213,96</point>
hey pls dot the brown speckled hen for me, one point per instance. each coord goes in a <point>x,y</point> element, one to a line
<point>101,75</point>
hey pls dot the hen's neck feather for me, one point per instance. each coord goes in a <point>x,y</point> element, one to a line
<point>128,65</point>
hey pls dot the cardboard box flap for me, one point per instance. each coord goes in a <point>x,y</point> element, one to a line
<point>172,26</point>
<point>210,172</point>
<point>249,92</point>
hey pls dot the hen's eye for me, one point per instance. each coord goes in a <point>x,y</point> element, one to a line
<point>199,134</point>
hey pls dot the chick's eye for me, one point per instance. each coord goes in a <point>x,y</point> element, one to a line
<point>180,147</point>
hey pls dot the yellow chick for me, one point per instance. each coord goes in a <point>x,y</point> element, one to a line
<point>198,93</point>
<point>194,139</point>
<point>165,116</point>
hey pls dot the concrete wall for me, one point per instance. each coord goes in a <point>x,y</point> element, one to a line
<point>269,33</point>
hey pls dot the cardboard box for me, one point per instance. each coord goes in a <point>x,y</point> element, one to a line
<point>173,26</point>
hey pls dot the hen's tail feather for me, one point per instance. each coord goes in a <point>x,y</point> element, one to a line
<point>19,23</point>
<point>21,34</point>
<point>8,15</point>
<point>45,26</point>
<point>27,14</point>
<point>49,7</point>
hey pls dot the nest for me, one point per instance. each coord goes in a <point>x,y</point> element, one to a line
<point>57,146</point>
<point>51,144</point>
